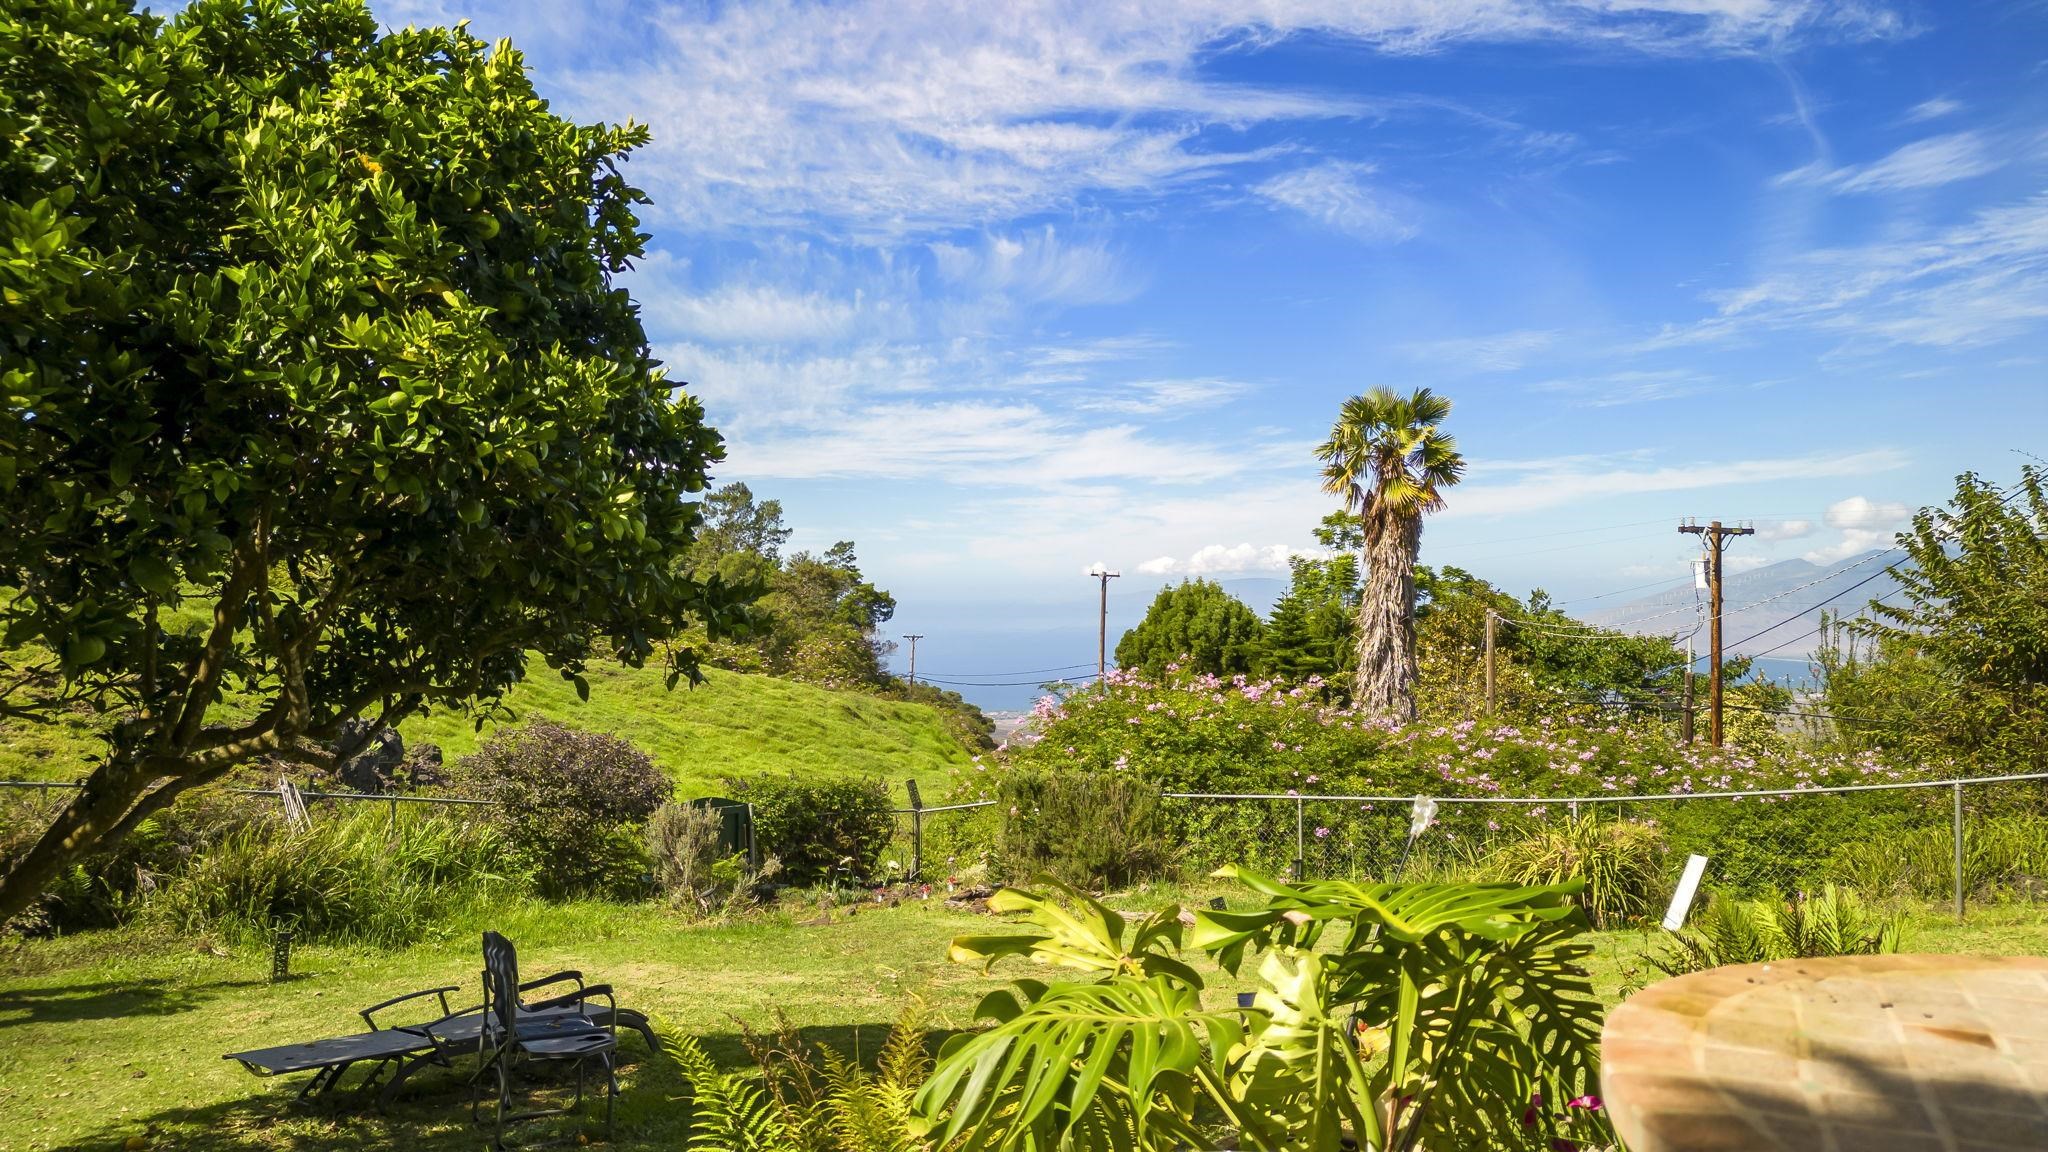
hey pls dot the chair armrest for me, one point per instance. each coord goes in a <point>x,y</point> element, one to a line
<point>369,1017</point>
<point>557,978</point>
<point>576,997</point>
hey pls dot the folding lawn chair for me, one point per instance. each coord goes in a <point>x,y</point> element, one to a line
<point>511,1035</point>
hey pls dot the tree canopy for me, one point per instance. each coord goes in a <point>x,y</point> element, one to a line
<point>1199,627</point>
<point>321,401</point>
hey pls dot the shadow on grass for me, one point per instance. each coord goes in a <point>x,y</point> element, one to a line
<point>108,1000</point>
<point>432,1111</point>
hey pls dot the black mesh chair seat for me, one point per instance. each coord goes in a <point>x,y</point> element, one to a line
<point>509,1033</point>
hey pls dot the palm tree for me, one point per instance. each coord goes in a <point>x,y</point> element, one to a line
<point>1389,460</point>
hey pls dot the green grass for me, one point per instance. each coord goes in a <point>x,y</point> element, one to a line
<point>114,1035</point>
<point>732,725</point>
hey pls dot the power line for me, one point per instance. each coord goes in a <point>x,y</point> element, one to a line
<point>1619,591</point>
<point>1009,683</point>
<point>1016,672</point>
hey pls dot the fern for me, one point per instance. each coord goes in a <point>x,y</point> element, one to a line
<point>1832,923</point>
<point>728,1114</point>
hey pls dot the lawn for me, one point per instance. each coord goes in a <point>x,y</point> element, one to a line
<point>733,725</point>
<point>110,1036</point>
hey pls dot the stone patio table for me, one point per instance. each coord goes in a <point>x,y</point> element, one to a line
<point>1844,1054</point>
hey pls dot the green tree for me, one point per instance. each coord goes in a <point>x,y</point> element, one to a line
<point>1966,657</point>
<point>1311,631</point>
<point>1390,460</point>
<point>1196,625</point>
<point>321,400</point>
<point>741,539</point>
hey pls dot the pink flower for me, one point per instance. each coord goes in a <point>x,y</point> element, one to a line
<point>1589,1103</point>
<point>1322,833</point>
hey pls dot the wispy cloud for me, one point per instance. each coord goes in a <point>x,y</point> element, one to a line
<point>1535,484</point>
<point>1971,283</point>
<point>1927,163</point>
<point>1632,386</point>
<point>1338,196</point>
<point>752,314</point>
<point>1933,109</point>
<point>886,117</point>
<point>1152,397</point>
<point>1498,352</point>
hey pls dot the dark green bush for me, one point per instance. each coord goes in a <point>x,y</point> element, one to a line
<point>821,830</point>
<point>567,801</point>
<point>1086,829</point>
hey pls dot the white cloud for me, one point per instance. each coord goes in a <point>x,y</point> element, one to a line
<point>739,313</point>
<point>1224,560</point>
<point>891,116</point>
<point>1971,283</point>
<point>1864,524</point>
<point>1927,163</point>
<point>1775,530</point>
<point>1153,397</point>
<point>1500,352</point>
<point>1565,480</point>
<point>1036,267</point>
<point>1633,386</point>
<point>1337,196</point>
<point>1933,109</point>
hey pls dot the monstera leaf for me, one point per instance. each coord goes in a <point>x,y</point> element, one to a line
<point>1088,937</point>
<point>1118,1064</point>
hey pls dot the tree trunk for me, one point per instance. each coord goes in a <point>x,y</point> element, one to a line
<point>1384,686</point>
<point>109,793</point>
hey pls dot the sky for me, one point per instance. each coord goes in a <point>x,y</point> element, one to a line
<point>1004,291</point>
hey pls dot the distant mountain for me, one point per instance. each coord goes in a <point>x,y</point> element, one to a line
<point>1773,609</point>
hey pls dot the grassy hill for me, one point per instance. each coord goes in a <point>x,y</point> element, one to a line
<point>733,725</point>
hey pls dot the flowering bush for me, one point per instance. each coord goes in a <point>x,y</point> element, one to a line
<point>1207,734</point>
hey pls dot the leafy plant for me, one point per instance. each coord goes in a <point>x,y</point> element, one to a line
<point>1434,1015</point>
<point>1619,862</point>
<point>692,867</point>
<point>1999,852</point>
<point>1086,829</point>
<point>820,830</point>
<point>728,1113</point>
<point>1832,923</point>
<point>562,797</point>
<point>811,1098</point>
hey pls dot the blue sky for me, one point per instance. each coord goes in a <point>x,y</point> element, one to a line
<point>999,291</point>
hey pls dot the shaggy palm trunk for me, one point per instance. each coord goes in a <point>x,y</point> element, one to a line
<point>1384,686</point>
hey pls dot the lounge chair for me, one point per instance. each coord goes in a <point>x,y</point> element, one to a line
<point>402,1049</point>
<point>512,1035</point>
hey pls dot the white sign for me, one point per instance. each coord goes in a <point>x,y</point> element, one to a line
<point>1421,816</point>
<point>1688,887</point>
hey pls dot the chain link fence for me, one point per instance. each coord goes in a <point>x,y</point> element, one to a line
<point>1935,840</point>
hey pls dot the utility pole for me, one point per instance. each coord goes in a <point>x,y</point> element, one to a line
<point>1492,621</point>
<point>1102,622</point>
<point>1715,538</point>
<point>913,637</point>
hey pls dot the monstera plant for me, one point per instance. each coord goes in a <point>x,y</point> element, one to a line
<point>1388,1017</point>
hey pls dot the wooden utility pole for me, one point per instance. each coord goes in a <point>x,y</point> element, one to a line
<point>1102,623</point>
<point>1492,623</point>
<point>1715,538</point>
<point>913,637</point>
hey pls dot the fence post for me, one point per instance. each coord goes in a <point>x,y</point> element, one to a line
<point>1959,847</point>
<point>1300,839</point>
<point>916,831</point>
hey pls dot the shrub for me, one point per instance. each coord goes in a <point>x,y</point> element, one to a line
<point>1084,829</point>
<point>1728,931</point>
<point>820,829</point>
<point>103,890</point>
<point>370,877</point>
<point>1621,863</point>
<point>686,845</point>
<point>564,800</point>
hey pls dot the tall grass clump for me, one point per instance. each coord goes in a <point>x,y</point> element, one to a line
<point>370,876</point>
<point>2000,853</point>
<point>1620,861</point>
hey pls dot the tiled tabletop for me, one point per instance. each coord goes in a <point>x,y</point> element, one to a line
<point>1845,1054</point>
